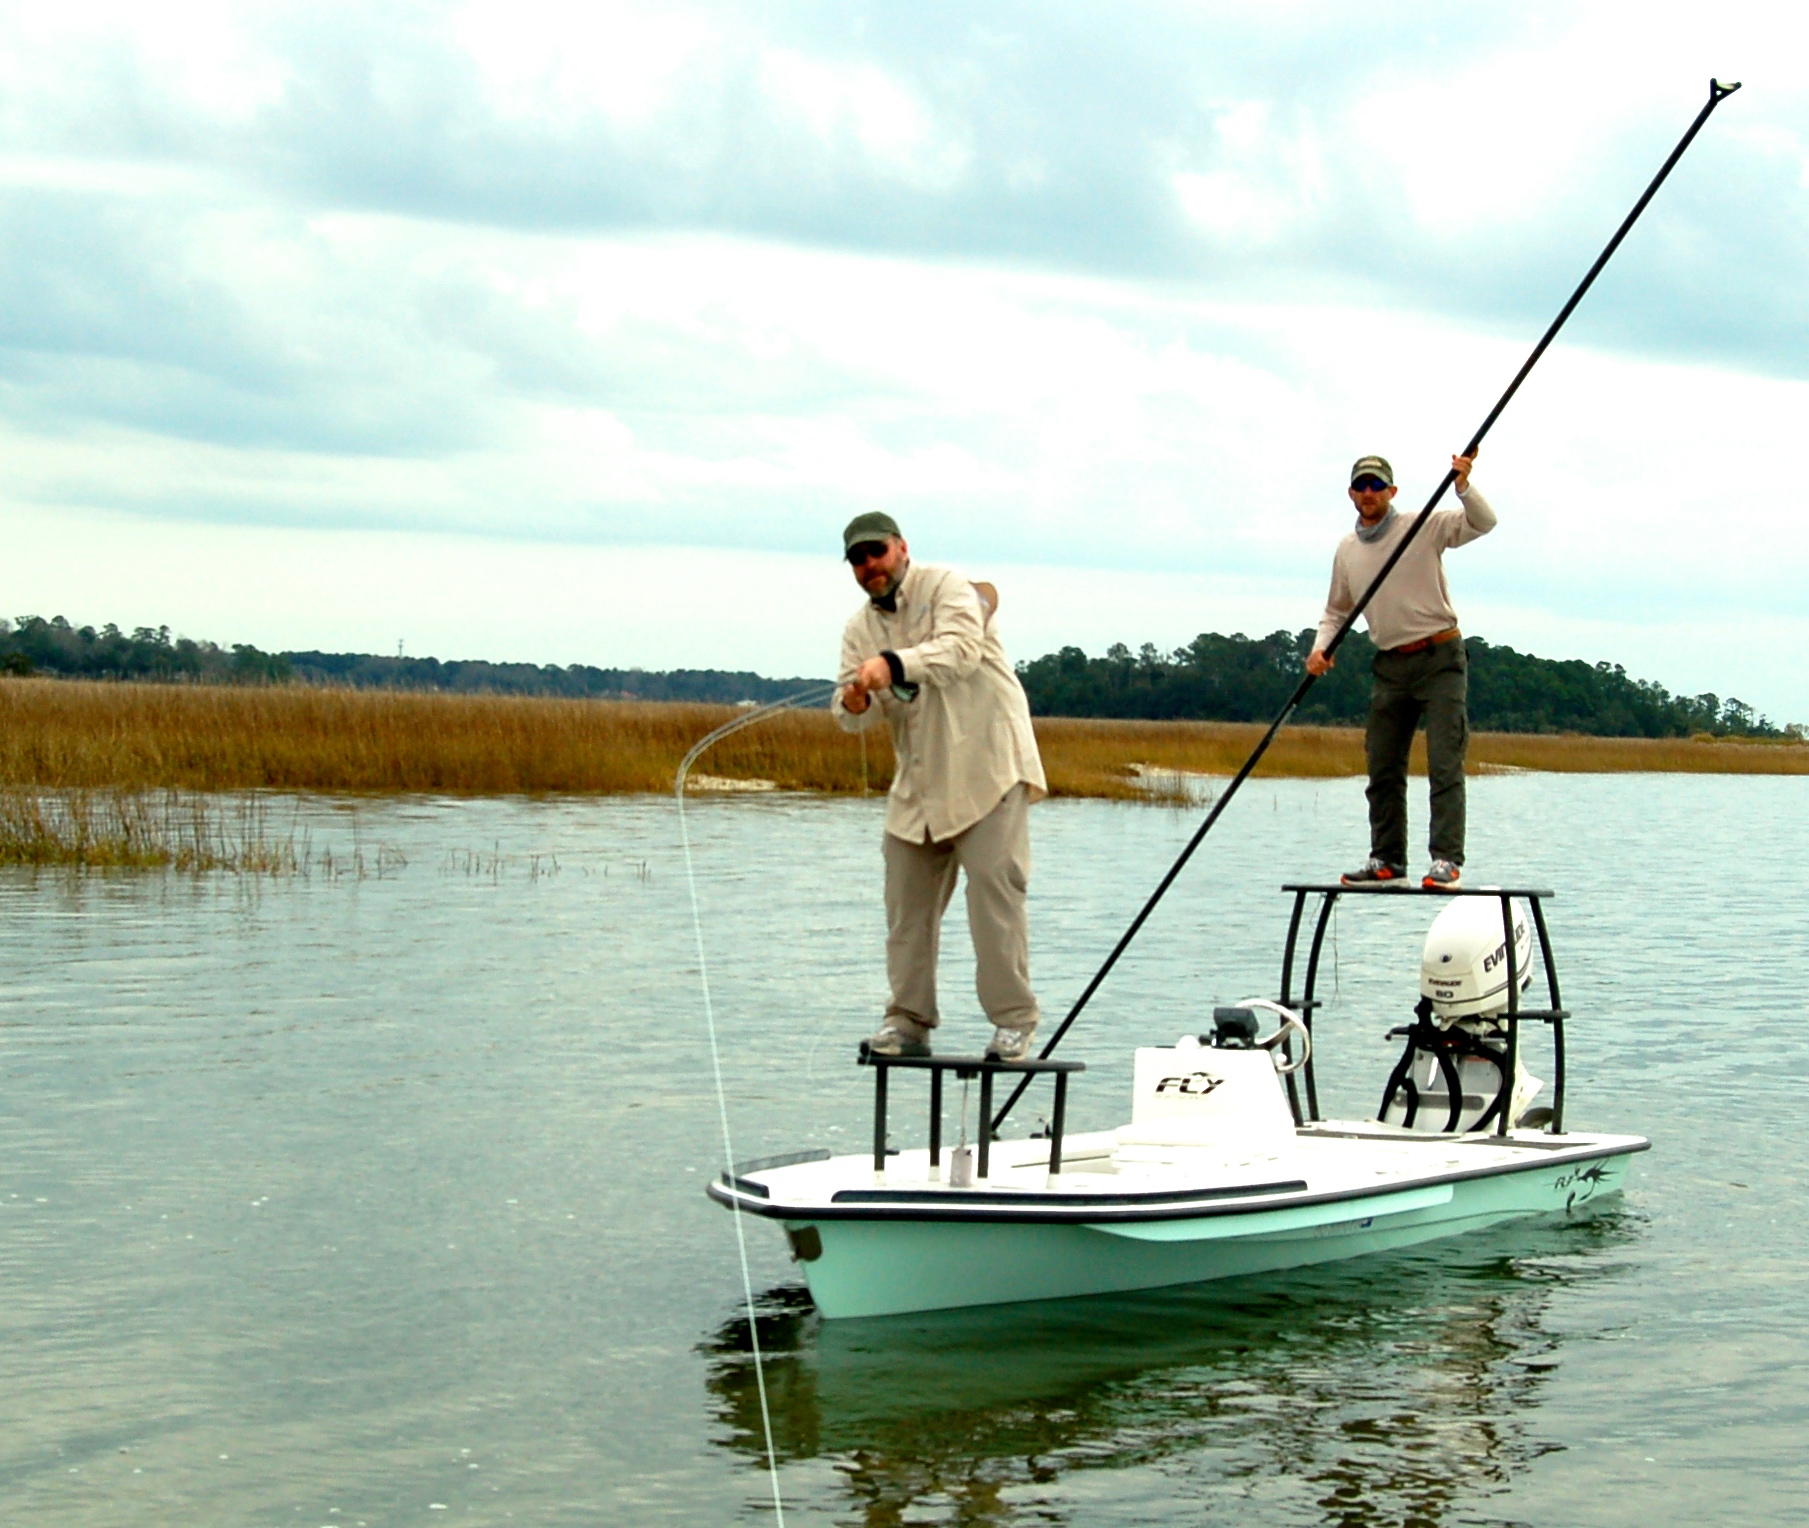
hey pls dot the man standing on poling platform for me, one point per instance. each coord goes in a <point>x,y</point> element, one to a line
<point>923,653</point>
<point>1420,666</point>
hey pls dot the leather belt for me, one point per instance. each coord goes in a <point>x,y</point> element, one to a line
<point>1437,639</point>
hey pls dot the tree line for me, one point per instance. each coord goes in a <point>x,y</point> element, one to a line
<point>1212,678</point>
<point>377,671</point>
<point>33,645</point>
<point>1247,679</point>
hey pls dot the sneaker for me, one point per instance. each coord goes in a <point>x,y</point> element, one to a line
<point>893,1041</point>
<point>1443,876</point>
<point>1376,873</point>
<point>1010,1044</point>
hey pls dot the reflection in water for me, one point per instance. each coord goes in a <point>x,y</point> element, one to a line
<point>1395,1389</point>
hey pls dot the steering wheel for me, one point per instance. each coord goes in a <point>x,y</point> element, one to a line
<point>1291,1024</point>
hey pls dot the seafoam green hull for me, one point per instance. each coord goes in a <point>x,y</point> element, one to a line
<point>887,1267</point>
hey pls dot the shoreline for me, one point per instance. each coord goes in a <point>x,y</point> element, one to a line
<point>63,735</point>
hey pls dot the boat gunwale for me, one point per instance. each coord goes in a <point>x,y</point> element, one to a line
<point>1059,1197</point>
<point>912,1205</point>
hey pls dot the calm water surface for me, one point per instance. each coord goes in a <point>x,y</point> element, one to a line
<point>377,1199</point>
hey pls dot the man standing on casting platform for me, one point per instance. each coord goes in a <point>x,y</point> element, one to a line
<point>923,654</point>
<point>1420,666</point>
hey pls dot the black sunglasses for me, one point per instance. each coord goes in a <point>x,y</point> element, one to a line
<point>1370,484</point>
<point>866,551</point>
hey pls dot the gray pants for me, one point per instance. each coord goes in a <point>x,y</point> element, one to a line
<point>1433,684</point>
<point>920,880</point>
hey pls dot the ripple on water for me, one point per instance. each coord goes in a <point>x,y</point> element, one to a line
<point>361,1183</point>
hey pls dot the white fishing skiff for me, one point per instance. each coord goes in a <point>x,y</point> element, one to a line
<point>1225,1166</point>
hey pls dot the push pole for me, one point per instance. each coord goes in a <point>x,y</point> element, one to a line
<point>1717,94</point>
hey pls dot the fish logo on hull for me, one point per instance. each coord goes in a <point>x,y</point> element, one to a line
<point>1581,1184</point>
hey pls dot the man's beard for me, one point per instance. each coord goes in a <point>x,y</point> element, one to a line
<point>887,590</point>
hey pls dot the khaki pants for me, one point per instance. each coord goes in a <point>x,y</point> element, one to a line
<point>920,880</point>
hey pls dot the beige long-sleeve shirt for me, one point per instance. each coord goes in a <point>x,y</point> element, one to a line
<point>1414,601</point>
<point>965,739</point>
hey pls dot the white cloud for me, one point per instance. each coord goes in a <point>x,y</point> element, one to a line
<point>556,64</point>
<point>197,56</point>
<point>893,126</point>
<point>1268,183</point>
<point>1110,305</point>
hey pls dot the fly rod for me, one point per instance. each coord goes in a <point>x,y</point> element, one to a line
<point>1717,94</point>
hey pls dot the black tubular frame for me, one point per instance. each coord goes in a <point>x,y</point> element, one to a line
<point>1717,94</point>
<point>965,1067</point>
<point>1553,1015</point>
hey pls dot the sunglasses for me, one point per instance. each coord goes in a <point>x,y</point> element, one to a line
<point>866,551</point>
<point>1369,485</point>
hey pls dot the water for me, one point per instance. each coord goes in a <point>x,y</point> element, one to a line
<point>378,1200</point>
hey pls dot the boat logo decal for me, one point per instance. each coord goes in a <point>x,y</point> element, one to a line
<point>1581,1184</point>
<point>1195,1084</point>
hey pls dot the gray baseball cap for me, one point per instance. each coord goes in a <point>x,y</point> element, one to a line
<point>872,526</point>
<point>1372,466</point>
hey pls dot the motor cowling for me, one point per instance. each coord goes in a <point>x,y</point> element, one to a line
<point>1461,1034</point>
<point>1464,965</point>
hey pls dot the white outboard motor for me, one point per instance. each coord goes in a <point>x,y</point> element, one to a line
<point>1459,1028</point>
<point>1464,967</point>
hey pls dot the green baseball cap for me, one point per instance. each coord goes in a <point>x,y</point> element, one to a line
<point>1372,466</point>
<point>872,526</point>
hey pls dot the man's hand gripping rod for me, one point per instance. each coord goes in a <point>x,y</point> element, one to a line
<point>1717,94</point>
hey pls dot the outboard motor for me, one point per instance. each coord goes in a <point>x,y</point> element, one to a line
<point>1452,1075</point>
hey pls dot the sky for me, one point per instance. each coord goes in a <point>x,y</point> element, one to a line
<point>574,333</point>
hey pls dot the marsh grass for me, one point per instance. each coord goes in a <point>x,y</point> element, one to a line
<point>1088,758</point>
<point>69,736</point>
<point>109,829</point>
<point>73,735</point>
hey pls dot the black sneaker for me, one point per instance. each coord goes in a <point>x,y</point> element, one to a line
<point>1376,873</point>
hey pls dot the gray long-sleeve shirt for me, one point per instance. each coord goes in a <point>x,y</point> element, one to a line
<point>965,739</point>
<point>1414,601</point>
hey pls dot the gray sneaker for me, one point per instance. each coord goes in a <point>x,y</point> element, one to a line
<point>1376,872</point>
<point>1010,1044</point>
<point>893,1041</point>
<point>1443,876</point>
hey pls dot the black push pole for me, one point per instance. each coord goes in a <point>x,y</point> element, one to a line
<point>1717,94</point>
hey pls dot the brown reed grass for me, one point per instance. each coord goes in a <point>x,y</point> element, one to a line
<point>70,735</point>
<point>1087,758</point>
